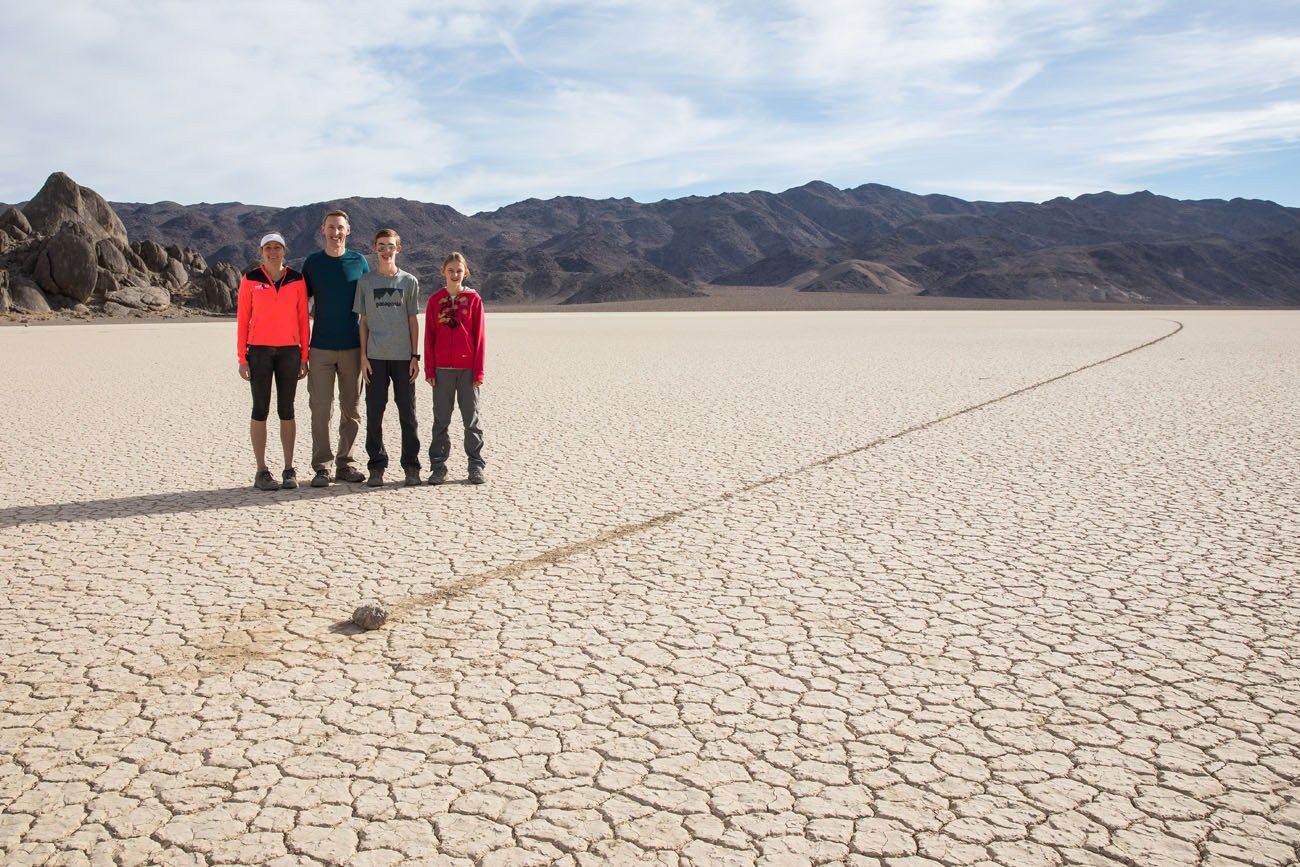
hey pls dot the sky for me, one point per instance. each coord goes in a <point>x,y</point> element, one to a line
<point>480,104</point>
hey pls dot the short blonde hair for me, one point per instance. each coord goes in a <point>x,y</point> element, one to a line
<point>455,257</point>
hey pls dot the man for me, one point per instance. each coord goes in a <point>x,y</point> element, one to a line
<point>332,276</point>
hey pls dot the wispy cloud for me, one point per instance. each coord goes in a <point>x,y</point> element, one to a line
<point>477,104</point>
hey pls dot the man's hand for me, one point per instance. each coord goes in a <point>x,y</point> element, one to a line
<point>415,370</point>
<point>365,370</point>
<point>244,372</point>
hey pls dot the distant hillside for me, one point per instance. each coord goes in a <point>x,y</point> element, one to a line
<point>816,238</point>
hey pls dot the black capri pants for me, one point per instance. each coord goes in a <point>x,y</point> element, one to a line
<point>282,364</point>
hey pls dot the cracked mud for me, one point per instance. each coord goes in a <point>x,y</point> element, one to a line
<point>896,589</point>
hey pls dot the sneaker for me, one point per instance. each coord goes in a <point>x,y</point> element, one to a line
<point>350,474</point>
<point>265,481</point>
<point>412,478</point>
<point>438,476</point>
<point>290,476</point>
<point>476,476</point>
<point>321,479</point>
<point>376,479</point>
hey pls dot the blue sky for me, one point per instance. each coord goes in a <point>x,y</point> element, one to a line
<point>477,105</point>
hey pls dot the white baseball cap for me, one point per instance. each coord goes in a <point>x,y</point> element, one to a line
<point>272,237</point>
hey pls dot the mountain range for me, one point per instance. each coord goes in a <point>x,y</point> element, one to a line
<point>1138,248</point>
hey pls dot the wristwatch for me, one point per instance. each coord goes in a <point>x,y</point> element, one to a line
<point>415,357</point>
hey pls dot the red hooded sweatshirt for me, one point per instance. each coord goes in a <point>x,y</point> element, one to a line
<point>453,332</point>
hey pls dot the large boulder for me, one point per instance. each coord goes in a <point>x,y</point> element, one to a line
<point>106,283</point>
<point>63,200</point>
<point>133,259</point>
<point>13,223</point>
<point>212,293</point>
<point>145,297</point>
<point>68,264</point>
<point>111,256</point>
<point>154,256</point>
<point>196,261</point>
<point>5,303</point>
<point>227,273</point>
<point>24,297</point>
<point>174,273</point>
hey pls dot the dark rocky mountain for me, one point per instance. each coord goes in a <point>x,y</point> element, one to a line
<point>815,238</point>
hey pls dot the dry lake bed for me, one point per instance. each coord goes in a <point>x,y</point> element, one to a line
<point>863,588</point>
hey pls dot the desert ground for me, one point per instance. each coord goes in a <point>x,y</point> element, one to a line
<point>867,588</point>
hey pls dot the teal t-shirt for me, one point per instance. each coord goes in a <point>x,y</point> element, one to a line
<point>332,283</point>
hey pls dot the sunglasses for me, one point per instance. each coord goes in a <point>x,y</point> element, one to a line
<point>383,247</point>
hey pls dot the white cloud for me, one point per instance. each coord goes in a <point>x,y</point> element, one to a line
<point>477,104</point>
<point>1212,134</point>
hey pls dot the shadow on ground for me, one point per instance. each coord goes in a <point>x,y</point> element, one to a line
<point>178,502</point>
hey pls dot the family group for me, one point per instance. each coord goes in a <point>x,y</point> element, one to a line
<point>364,329</point>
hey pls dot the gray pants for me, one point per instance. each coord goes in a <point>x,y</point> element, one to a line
<point>455,384</point>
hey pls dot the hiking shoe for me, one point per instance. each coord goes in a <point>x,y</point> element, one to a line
<point>265,481</point>
<point>290,476</point>
<point>376,479</point>
<point>350,474</point>
<point>476,476</point>
<point>412,478</point>
<point>321,479</point>
<point>438,476</point>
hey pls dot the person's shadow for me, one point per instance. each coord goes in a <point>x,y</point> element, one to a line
<point>175,503</point>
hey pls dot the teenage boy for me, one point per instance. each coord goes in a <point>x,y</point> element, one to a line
<point>332,275</point>
<point>388,304</point>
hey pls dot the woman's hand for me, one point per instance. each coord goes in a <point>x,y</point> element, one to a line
<point>302,370</point>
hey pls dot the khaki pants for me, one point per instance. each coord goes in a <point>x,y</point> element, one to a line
<point>326,367</point>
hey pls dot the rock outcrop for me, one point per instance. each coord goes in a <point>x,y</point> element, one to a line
<point>66,251</point>
<point>63,200</point>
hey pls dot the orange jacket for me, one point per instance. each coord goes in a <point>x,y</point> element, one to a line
<point>271,315</point>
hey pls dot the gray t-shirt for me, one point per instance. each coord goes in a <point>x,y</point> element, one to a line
<point>386,302</point>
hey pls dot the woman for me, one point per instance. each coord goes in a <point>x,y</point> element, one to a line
<point>272,345</point>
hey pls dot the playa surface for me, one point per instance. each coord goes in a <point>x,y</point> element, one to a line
<point>867,588</point>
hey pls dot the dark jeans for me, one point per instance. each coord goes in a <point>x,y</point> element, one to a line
<point>399,374</point>
<point>278,363</point>
<point>455,384</point>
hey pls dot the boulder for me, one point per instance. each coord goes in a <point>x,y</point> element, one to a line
<point>151,297</point>
<point>5,303</point>
<point>196,261</point>
<point>15,224</point>
<point>212,293</point>
<point>133,259</point>
<point>175,252</point>
<point>68,265</point>
<point>153,255</point>
<point>227,273</point>
<point>24,297</point>
<point>112,256</point>
<point>174,273</point>
<point>63,200</point>
<point>112,308</point>
<point>105,284</point>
